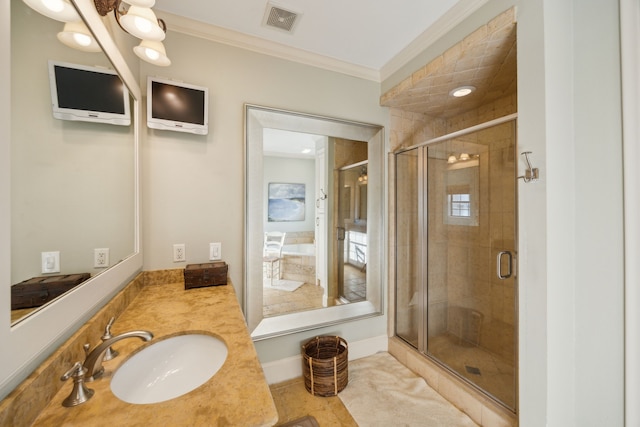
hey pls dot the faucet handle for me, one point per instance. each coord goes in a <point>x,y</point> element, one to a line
<point>110,353</point>
<point>107,329</point>
<point>80,392</point>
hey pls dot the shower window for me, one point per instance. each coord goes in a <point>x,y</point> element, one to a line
<point>459,205</point>
<point>462,193</point>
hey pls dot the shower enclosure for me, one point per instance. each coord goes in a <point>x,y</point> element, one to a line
<point>351,233</point>
<point>456,281</point>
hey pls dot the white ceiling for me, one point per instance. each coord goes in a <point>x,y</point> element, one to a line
<point>281,143</point>
<point>366,33</point>
<point>375,35</point>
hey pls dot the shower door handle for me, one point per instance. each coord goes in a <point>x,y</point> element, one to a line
<point>501,254</point>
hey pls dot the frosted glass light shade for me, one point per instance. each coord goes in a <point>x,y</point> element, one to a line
<point>60,10</point>
<point>141,22</point>
<point>141,3</point>
<point>76,35</point>
<point>153,52</point>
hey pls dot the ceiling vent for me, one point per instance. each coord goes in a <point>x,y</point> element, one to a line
<point>281,19</point>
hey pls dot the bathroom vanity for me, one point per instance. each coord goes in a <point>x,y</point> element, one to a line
<point>157,302</point>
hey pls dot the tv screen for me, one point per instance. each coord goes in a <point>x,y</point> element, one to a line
<point>177,106</point>
<point>91,94</point>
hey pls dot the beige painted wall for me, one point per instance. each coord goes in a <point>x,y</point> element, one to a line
<point>571,295</point>
<point>193,186</point>
<point>291,170</point>
<point>71,182</point>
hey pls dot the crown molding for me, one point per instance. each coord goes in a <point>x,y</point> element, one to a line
<point>454,16</point>
<point>213,33</point>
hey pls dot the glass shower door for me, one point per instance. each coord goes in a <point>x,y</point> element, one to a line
<point>471,220</point>
<point>351,233</point>
<point>455,256</point>
<point>409,283</point>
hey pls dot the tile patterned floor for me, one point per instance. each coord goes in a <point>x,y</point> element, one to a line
<point>276,302</point>
<point>309,297</point>
<point>487,370</point>
<point>355,284</point>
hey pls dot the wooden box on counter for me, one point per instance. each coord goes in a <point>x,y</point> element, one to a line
<point>37,291</point>
<point>208,274</point>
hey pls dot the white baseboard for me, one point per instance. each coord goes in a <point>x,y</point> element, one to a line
<point>291,367</point>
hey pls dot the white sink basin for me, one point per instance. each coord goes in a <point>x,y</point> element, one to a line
<point>169,368</point>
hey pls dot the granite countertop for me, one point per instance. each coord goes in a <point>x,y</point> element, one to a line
<point>237,395</point>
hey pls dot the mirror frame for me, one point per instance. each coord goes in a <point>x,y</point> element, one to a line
<point>258,118</point>
<point>29,342</point>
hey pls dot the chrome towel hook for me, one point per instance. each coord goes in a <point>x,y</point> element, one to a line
<point>531,173</point>
<point>319,199</point>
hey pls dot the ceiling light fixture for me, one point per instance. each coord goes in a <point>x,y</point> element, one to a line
<point>363,178</point>
<point>462,91</point>
<point>60,10</point>
<point>138,20</point>
<point>463,157</point>
<point>141,22</point>
<point>77,35</point>
<point>153,52</point>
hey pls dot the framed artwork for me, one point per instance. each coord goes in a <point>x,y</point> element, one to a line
<point>286,202</point>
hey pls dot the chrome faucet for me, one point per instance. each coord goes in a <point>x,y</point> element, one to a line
<point>93,362</point>
<point>109,353</point>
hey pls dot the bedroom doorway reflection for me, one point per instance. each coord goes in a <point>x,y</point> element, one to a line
<point>316,192</point>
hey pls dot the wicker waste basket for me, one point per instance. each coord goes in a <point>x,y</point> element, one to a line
<point>325,365</point>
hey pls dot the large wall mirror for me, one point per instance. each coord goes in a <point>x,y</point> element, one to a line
<point>66,187</point>
<point>72,182</point>
<point>313,216</point>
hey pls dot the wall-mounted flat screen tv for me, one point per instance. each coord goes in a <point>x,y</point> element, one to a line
<point>89,94</point>
<point>177,106</point>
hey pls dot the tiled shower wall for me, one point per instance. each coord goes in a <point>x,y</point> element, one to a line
<point>476,287</point>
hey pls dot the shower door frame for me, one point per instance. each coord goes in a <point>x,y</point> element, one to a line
<point>423,298</point>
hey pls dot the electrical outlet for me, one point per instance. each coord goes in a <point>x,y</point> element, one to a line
<point>215,251</point>
<point>101,258</point>
<point>179,254</point>
<point>50,262</point>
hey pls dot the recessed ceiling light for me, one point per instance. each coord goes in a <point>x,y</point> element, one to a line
<point>462,91</point>
<point>306,151</point>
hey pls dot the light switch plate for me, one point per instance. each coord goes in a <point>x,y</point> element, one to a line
<point>50,262</point>
<point>215,251</point>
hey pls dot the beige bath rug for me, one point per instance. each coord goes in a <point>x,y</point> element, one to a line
<point>383,392</point>
<point>282,285</point>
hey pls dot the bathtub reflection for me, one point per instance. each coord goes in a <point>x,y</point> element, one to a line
<point>299,262</point>
<point>299,249</point>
